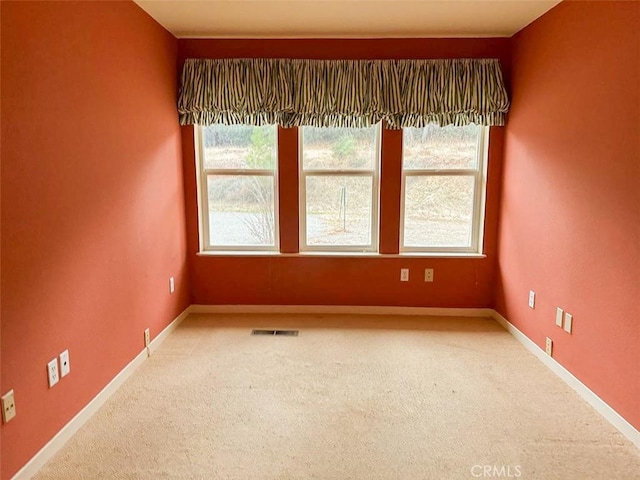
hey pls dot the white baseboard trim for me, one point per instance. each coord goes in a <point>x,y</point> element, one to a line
<point>581,389</point>
<point>57,442</point>
<point>343,309</point>
<point>162,336</point>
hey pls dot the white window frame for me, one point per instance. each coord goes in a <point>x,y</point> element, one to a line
<point>203,198</point>
<point>375,201</point>
<point>480,195</point>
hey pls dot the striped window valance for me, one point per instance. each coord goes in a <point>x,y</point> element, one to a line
<point>348,93</point>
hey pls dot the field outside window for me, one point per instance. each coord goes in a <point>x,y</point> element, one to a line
<point>238,187</point>
<point>443,181</point>
<point>339,188</point>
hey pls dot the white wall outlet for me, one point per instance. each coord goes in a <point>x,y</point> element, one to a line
<point>404,274</point>
<point>559,315</point>
<point>428,274</point>
<point>532,299</point>
<point>172,285</point>
<point>549,347</point>
<point>52,371</point>
<point>147,337</point>
<point>568,322</point>
<point>65,366</point>
<point>8,406</point>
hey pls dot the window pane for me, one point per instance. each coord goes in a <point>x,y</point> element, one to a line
<point>239,147</point>
<point>339,210</point>
<point>438,211</point>
<point>241,210</point>
<point>339,148</point>
<point>434,147</point>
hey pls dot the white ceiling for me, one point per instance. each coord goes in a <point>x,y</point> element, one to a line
<point>344,18</point>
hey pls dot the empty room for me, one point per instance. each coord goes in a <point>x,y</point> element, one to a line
<point>330,239</point>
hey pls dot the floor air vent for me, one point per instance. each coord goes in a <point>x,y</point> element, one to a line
<point>284,333</point>
<point>287,333</point>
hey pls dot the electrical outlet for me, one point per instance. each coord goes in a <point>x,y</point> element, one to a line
<point>8,406</point>
<point>172,285</point>
<point>428,274</point>
<point>568,322</point>
<point>559,314</point>
<point>549,347</point>
<point>532,299</point>
<point>147,337</point>
<point>404,274</point>
<point>52,371</point>
<point>65,366</point>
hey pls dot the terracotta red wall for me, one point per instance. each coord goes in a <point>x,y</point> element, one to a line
<point>0,231</point>
<point>570,210</point>
<point>92,203</point>
<point>314,280</point>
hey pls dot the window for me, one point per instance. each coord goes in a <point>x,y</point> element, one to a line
<point>237,187</point>
<point>339,188</point>
<point>443,188</point>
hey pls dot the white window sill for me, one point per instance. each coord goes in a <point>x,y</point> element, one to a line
<point>254,253</point>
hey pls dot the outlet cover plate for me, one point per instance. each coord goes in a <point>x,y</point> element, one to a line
<point>8,406</point>
<point>404,274</point>
<point>532,299</point>
<point>147,337</point>
<point>549,347</point>
<point>428,274</point>
<point>65,366</point>
<point>52,371</point>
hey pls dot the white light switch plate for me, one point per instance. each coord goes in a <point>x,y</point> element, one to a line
<point>559,316</point>
<point>568,322</point>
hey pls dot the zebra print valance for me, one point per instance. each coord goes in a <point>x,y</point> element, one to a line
<point>348,93</point>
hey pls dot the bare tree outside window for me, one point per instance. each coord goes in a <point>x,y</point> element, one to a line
<point>240,170</point>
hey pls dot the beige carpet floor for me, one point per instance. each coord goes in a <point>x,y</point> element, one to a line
<point>352,397</point>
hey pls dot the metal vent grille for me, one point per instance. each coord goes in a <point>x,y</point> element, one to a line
<point>263,332</point>
<point>284,333</point>
<point>287,333</point>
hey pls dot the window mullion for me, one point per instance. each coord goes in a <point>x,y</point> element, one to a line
<point>246,172</point>
<point>340,173</point>
<point>443,173</point>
